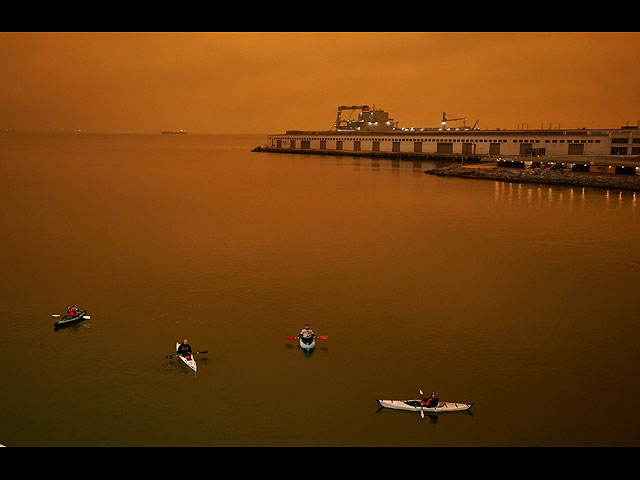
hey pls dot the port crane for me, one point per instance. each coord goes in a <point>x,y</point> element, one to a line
<point>445,120</point>
<point>348,107</point>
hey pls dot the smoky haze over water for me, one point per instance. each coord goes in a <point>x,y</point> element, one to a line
<point>270,82</point>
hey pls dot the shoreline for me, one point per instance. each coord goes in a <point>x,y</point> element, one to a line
<point>540,176</point>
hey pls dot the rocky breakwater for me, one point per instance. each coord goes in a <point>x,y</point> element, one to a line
<point>541,175</point>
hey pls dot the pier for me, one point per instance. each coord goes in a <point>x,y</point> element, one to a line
<point>427,157</point>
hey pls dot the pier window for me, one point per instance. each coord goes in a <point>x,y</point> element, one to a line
<point>338,144</point>
<point>417,147</point>
<point>356,145</point>
<point>445,147</point>
<point>305,144</point>
<point>494,149</point>
<point>395,147</point>
<point>468,148</point>
<point>619,140</point>
<point>376,145</point>
<point>323,144</point>
<point>576,149</point>
<point>525,148</point>
<point>619,150</point>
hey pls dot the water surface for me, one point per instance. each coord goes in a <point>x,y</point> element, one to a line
<point>522,299</point>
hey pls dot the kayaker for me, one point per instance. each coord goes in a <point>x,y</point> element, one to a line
<point>307,332</point>
<point>432,401</point>
<point>73,311</point>
<point>185,349</point>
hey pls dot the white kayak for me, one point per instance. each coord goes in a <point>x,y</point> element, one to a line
<point>308,346</point>
<point>412,406</point>
<point>190,362</point>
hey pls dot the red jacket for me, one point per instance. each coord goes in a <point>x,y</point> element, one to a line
<point>432,402</point>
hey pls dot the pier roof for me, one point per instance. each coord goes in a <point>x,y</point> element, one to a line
<point>465,132</point>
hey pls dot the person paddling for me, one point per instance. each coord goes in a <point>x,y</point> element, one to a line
<point>306,334</point>
<point>432,401</point>
<point>184,349</point>
<point>73,311</point>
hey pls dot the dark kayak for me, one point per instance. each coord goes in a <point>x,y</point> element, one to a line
<point>70,319</point>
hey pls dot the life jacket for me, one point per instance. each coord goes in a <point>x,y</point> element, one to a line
<point>432,402</point>
<point>307,333</point>
<point>184,350</point>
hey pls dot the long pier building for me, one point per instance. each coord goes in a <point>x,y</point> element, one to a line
<point>374,131</point>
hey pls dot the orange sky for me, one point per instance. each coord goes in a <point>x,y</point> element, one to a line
<point>270,82</point>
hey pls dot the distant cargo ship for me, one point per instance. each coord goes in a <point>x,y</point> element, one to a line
<point>183,132</point>
<point>374,132</point>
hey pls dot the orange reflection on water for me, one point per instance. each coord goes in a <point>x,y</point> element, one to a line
<point>506,192</point>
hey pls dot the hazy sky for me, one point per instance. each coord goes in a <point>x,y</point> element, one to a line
<point>271,82</point>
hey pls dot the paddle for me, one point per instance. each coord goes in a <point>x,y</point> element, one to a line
<point>194,353</point>
<point>84,316</point>
<point>323,337</point>
<point>421,407</point>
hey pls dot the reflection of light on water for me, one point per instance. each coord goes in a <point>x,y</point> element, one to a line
<point>499,188</point>
<point>507,192</point>
<point>519,193</point>
<point>571,197</point>
<point>539,196</point>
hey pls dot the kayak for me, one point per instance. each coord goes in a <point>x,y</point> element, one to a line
<point>307,346</point>
<point>190,362</point>
<point>412,406</point>
<point>70,319</point>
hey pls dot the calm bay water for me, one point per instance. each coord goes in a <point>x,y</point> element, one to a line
<point>522,299</point>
